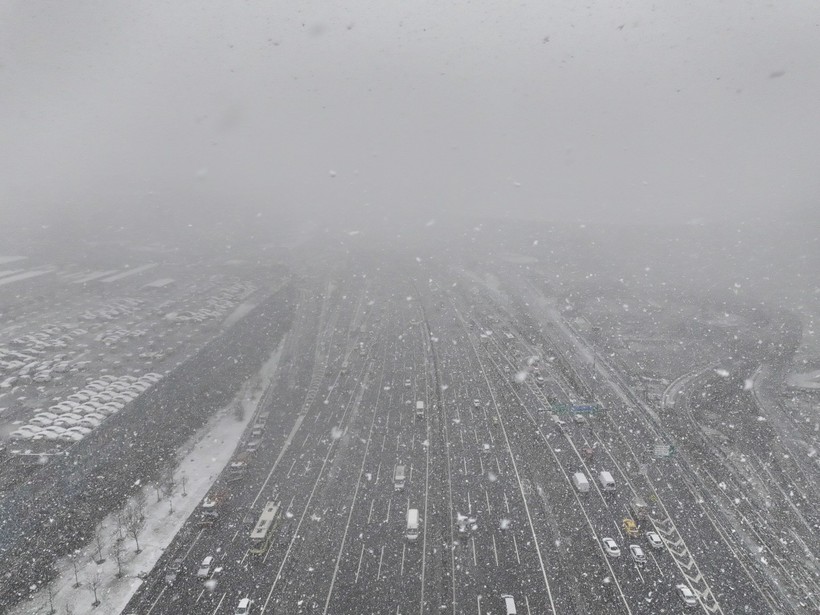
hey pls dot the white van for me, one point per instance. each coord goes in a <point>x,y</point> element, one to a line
<point>606,480</point>
<point>398,478</point>
<point>509,604</point>
<point>412,524</point>
<point>580,481</point>
<point>419,409</point>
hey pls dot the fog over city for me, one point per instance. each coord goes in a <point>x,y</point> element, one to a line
<point>375,306</point>
<point>162,113</point>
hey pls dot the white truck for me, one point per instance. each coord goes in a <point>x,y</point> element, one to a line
<point>412,524</point>
<point>580,481</point>
<point>419,409</point>
<point>606,480</point>
<point>398,478</point>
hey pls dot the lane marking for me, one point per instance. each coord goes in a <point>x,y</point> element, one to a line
<point>220,603</point>
<point>359,567</point>
<point>379,571</point>
<point>515,545</point>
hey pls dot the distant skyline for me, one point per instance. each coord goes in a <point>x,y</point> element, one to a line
<point>639,112</point>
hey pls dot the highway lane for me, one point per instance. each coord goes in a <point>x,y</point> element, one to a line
<point>288,392</point>
<point>351,419</point>
<point>610,529</point>
<point>738,586</point>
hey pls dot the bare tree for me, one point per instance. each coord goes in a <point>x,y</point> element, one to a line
<point>94,583</point>
<point>76,575</point>
<point>69,610</point>
<point>167,482</point>
<point>116,552</point>
<point>51,610</point>
<point>183,479</point>
<point>119,519</point>
<point>100,543</point>
<point>133,524</point>
<point>139,503</point>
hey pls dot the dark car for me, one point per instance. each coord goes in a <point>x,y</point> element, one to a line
<point>174,568</point>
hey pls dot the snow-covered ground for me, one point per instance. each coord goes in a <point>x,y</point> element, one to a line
<point>200,461</point>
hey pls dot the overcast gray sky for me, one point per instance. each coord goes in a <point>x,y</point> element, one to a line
<point>595,110</point>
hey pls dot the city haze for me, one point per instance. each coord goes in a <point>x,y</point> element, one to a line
<point>155,115</point>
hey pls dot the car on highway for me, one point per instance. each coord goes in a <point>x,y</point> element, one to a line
<point>580,419</point>
<point>509,604</point>
<point>408,383</point>
<point>205,567</point>
<point>686,595</point>
<point>244,607</point>
<point>654,540</point>
<point>174,570</point>
<point>611,547</point>
<point>476,403</point>
<point>638,556</point>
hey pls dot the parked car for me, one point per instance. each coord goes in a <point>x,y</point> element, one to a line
<point>78,429</point>
<point>22,434</point>
<point>67,420</point>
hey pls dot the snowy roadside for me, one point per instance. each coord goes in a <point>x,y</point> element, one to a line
<point>199,462</point>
